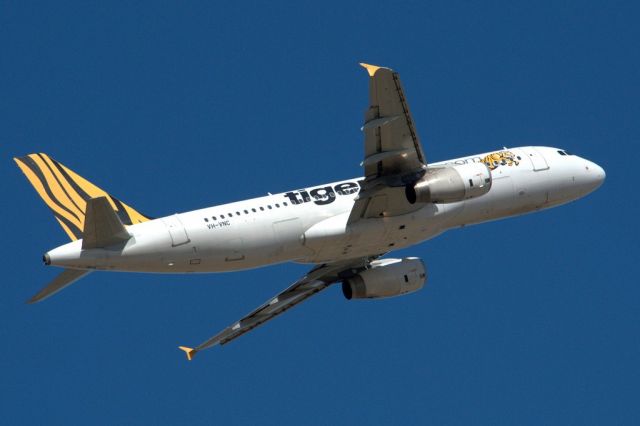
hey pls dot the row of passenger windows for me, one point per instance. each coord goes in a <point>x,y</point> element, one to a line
<point>239,212</point>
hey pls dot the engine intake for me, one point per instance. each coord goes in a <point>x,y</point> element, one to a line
<point>386,278</point>
<point>450,184</point>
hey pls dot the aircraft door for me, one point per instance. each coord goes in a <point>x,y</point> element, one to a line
<point>176,230</point>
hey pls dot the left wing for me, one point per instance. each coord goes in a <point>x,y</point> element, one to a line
<point>317,279</point>
<point>393,155</point>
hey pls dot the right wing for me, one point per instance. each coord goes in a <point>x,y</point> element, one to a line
<point>393,155</point>
<point>316,280</point>
<point>391,144</point>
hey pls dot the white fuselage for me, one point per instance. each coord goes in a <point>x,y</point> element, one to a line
<point>311,225</point>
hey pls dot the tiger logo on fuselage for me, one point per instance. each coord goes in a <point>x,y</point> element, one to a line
<point>500,158</point>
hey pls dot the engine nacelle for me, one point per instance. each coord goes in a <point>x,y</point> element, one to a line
<point>450,184</point>
<point>386,278</point>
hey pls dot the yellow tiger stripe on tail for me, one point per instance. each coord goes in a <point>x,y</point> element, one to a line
<point>66,193</point>
<point>72,210</point>
<point>75,197</point>
<point>72,227</point>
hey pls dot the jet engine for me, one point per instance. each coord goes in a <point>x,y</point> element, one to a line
<point>450,184</point>
<point>386,278</point>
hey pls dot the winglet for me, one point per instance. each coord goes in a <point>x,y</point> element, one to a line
<point>189,351</point>
<point>371,69</point>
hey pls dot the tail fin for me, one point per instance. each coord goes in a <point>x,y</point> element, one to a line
<point>66,193</point>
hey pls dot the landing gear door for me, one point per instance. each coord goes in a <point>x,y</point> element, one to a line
<point>176,230</point>
<point>536,158</point>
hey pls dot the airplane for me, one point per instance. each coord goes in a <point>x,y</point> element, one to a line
<point>342,228</point>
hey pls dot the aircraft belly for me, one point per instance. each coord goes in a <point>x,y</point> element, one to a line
<point>380,235</point>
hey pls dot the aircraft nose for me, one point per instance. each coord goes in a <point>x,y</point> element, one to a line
<point>595,174</point>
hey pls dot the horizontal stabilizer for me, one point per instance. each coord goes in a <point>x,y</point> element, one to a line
<point>102,226</point>
<point>66,278</point>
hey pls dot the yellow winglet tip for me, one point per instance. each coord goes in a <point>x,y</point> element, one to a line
<point>189,351</point>
<point>371,69</point>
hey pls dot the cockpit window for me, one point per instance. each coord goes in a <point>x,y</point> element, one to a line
<point>561,152</point>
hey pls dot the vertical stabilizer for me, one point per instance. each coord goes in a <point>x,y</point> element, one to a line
<point>66,193</point>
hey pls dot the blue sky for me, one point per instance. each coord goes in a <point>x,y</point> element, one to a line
<point>173,106</point>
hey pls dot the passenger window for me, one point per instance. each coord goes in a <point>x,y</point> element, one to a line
<point>221,216</point>
<point>261,209</point>
<point>277,205</point>
<point>246,212</point>
<point>285,204</point>
<point>214,218</point>
<point>269,207</point>
<point>238,213</point>
<point>206,220</point>
<point>230,214</point>
<point>254,210</point>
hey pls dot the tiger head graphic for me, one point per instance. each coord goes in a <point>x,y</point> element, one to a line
<point>500,158</point>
